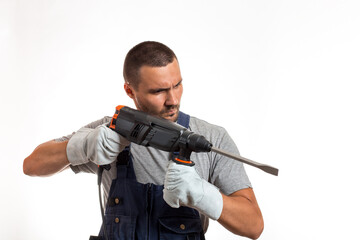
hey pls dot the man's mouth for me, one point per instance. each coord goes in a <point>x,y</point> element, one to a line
<point>170,113</point>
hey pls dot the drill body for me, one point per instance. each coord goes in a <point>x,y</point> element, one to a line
<point>146,130</point>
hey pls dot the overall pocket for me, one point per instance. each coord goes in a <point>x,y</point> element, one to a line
<point>180,228</point>
<point>120,227</point>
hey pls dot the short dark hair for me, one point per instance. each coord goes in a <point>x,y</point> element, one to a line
<point>149,53</point>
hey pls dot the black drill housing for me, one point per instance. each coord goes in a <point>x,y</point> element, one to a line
<point>143,129</point>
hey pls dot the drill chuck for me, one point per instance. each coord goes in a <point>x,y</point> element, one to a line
<point>198,143</point>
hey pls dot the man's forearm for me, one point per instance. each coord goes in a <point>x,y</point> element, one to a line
<point>241,214</point>
<point>47,159</point>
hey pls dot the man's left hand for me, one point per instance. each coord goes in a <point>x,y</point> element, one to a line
<point>184,187</point>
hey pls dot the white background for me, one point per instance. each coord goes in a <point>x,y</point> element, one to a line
<point>281,76</point>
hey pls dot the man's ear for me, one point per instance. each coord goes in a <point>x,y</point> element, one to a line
<point>129,90</point>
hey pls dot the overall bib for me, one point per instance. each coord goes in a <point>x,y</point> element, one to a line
<point>138,211</point>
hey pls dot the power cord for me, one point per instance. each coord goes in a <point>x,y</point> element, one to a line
<point>100,172</point>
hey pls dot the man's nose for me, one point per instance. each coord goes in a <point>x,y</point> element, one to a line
<point>172,98</point>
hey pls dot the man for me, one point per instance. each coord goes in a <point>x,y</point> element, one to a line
<point>146,194</point>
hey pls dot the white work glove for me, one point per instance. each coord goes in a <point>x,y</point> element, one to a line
<point>100,146</point>
<point>184,187</point>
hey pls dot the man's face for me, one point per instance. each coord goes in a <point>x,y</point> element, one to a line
<point>159,91</point>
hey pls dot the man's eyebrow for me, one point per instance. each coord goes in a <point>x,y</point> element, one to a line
<point>155,90</point>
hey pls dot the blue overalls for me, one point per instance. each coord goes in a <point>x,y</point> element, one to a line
<point>138,211</point>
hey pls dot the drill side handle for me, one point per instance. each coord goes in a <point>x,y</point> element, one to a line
<point>183,157</point>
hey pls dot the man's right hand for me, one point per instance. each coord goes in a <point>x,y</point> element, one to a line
<point>100,146</point>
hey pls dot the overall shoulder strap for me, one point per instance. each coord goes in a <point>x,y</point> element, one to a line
<point>124,165</point>
<point>183,119</point>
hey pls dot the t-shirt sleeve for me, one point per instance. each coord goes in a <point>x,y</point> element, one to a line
<point>89,167</point>
<point>227,174</point>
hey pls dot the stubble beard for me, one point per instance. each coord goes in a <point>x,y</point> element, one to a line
<point>164,113</point>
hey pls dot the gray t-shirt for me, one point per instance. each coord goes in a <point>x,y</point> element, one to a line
<point>150,164</point>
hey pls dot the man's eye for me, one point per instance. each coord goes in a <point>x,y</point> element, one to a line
<point>157,91</point>
<point>177,85</point>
